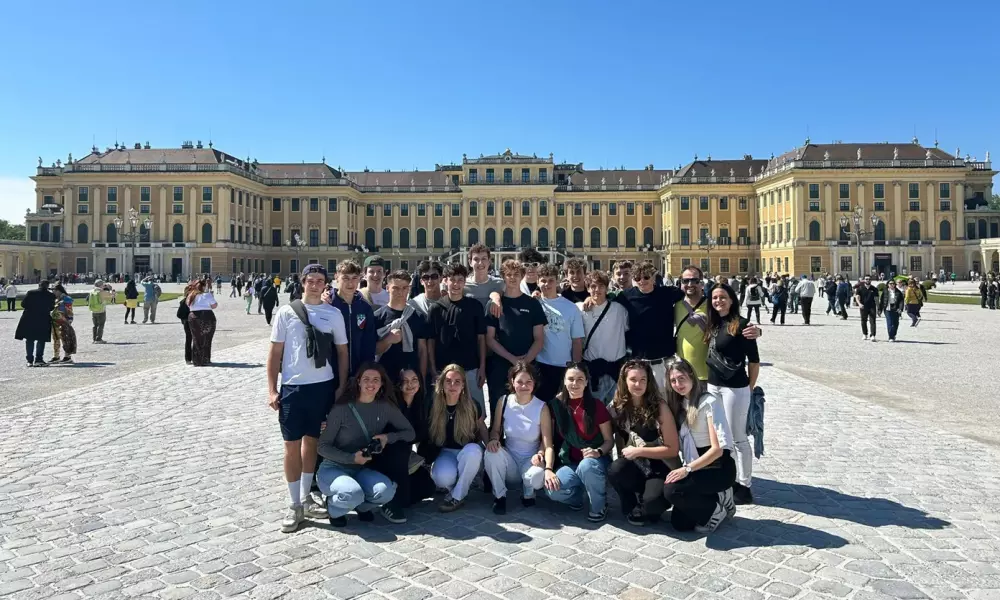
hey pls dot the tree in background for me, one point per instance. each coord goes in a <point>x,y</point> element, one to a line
<point>994,203</point>
<point>11,232</point>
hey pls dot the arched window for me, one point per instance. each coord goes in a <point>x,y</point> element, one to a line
<point>914,231</point>
<point>386,237</point>
<point>880,231</point>
<point>578,237</point>
<point>178,232</point>
<point>647,236</point>
<point>612,237</point>
<point>404,238</point>
<point>456,237</point>
<point>439,238</point>
<point>370,238</point>
<point>814,231</point>
<point>630,237</point>
<point>543,237</point>
<point>45,233</point>
<point>473,236</point>
<point>945,233</point>
<point>421,238</point>
<point>982,229</point>
<point>595,237</point>
<point>560,237</point>
<point>82,234</point>
<point>491,237</point>
<point>525,237</point>
<point>206,233</point>
<point>508,236</point>
<point>144,234</point>
<point>508,208</point>
<point>111,233</point>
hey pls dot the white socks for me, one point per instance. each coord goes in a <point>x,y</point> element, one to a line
<point>293,492</point>
<point>305,486</point>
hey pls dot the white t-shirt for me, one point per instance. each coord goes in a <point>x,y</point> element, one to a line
<point>296,367</point>
<point>608,342</point>
<point>203,301</point>
<point>711,404</point>
<point>380,298</point>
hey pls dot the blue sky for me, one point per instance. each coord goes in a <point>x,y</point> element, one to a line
<point>397,85</point>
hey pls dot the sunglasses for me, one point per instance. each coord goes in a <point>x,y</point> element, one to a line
<point>644,277</point>
<point>690,280</point>
<point>429,276</point>
<point>530,265</point>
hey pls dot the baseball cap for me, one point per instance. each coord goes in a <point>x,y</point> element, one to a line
<point>314,269</point>
<point>374,261</point>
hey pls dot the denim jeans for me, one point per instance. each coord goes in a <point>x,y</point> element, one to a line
<point>38,346</point>
<point>892,323</point>
<point>454,470</point>
<point>589,477</point>
<point>348,490</point>
<point>504,467</point>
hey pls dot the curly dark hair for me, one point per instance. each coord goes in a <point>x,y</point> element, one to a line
<point>352,391</point>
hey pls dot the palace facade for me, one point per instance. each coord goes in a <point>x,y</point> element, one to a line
<point>210,212</point>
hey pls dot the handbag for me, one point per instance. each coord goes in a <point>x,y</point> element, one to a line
<point>719,363</point>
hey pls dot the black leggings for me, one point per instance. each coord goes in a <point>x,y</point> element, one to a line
<point>751,309</point>
<point>268,308</point>
<point>636,488</point>
<point>393,462</point>
<point>127,311</point>
<point>187,340</point>
<point>695,497</point>
<point>10,303</point>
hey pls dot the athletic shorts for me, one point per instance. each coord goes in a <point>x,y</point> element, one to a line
<point>303,409</point>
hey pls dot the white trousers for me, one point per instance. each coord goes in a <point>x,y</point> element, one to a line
<point>504,467</point>
<point>660,375</point>
<point>454,470</point>
<point>736,402</point>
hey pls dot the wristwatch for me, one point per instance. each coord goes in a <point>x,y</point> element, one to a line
<point>688,469</point>
<point>600,452</point>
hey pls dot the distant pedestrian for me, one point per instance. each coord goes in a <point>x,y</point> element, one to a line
<point>806,290</point>
<point>891,304</point>
<point>35,325</point>
<point>97,301</point>
<point>202,322</point>
<point>150,299</point>
<point>10,294</point>
<point>248,297</point>
<point>131,300</point>
<point>183,312</point>
<point>62,326</point>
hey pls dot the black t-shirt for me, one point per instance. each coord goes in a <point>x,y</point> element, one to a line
<point>515,327</point>
<point>532,287</point>
<point>651,334</point>
<point>455,327</point>
<point>868,296</point>
<point>395,359</point>
<point>449,429</point>
<point>573,296</point>
<point>737,349</point>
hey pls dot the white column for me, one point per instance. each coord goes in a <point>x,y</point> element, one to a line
<point>958,198</point>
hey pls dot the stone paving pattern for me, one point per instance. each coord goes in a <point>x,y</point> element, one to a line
<point>173,489</point>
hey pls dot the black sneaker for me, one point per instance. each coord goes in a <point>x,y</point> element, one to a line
<point>635,517</point>
<point>742,494</point>
<point>366,516</point>
<point>597,517</point>
<point>393,515</point>
<point>500,505</point>
<point>528,502</point>
<point>338,521</point>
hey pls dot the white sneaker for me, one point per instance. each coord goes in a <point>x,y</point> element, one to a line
<point>293,518</point>
<point>866,338</point>
<point>716,519</point>
<point>314,510</point>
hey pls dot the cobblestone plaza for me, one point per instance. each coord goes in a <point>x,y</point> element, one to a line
<point>131,474</point>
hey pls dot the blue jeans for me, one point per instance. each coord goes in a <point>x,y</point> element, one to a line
<point>590,477</point>
<point>892,323</point>
<point>38,346</point>
<point>348,490</point>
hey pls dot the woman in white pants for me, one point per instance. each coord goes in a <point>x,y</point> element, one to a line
<point>733,366</point>
<point>526,455</point>
<point>456,431</point>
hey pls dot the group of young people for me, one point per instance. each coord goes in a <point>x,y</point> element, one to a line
<point>546,380</point>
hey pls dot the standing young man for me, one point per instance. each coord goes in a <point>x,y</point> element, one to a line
<point>359,317</point>
<point>518,334</point>
<point>457,333</point>
<point>308,386</point>
<point>97,300</point>
<point>807,291</point>
<point>651,317</point>
<point>374,279</point>
<point>867,299</point>
<point>150,298</point>
<point>401,330</point>
<point>604,342</point>
<point>429,275</point>
<point>623,275</point>
<point>563,334</point>
<point>482,285</point>
<point>575,271</point>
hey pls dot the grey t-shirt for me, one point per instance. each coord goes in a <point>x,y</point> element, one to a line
<point>482,291</point>
<point>344,436</point>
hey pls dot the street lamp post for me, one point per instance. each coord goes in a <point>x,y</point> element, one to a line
<point>133,234</point>
<point>296,244</point>
<point>707,243</point>
<point>856,232</point>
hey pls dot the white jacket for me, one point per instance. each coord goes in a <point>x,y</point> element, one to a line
<point>806,288</point>
<point>10,291</point>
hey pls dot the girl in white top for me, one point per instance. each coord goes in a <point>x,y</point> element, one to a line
<point>526,455</point>
<point>701,491</point>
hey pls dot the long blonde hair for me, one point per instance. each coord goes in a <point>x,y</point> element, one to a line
<point>465,411</point>
<point>687,408</point>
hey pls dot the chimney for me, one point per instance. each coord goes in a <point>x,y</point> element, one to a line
<point>187,145</point>
<point>138,146</point>
<point>199,146</point>
<point>747,157</point>
<point>146,146</point>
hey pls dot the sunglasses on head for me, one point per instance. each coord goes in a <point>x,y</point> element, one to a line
<point>690,280</point>
<point>431,276</point>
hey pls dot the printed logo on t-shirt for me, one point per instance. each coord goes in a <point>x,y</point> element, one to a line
<point>556,321</point>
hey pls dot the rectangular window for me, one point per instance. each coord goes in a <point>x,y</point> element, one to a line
<point>206,209</point>
<point>508,175</point>
<point>915,205</point>
<point>630,209</point>
<point>473,176</point>
<point>206,265</point>
<point>612,209</point>
<point>439,210</point>
<point>703,203</point>
<point>944,190</point>
<point>916,264</point>
<point>814,191</point>
<point>723,265</point>
<point>331,266</point>
<point>454,180</point>
<point>82,209</point>
<point>845,190</point>
<point>685,203</point>
<point>331,237</point>
<point>525,208</point>
<point>421,210</point>
<point>742,204</point>
<point>879,190</point>
<point>595,209</point>
<point>744,265</point>
<point>703,235</point>
<point>743,234</point>
<point>647,209</point>
<point>685,236</point>
<point>685,263</point>
<point>706,265</point>
<point>275,266</point>
<point>543,208</point>
<point>295,233</point>
<point>845,205</point>
<point>577,209</point>
<point>83,195</point>
<point>314,237</point>
<point>489,175</point>
<point>914,189</point>
<point>788,231</point>
<point>144,195</point>
<point>178,193</point>
<point>404,210</point>
<point>724,235</point>
<point>525,175</point>
<point>314,205</point>
<point>276,237</point>
<point>331,204</point>
<point>543,175</point>
<point>815,264</point>
<point>178,209</point>
<point>386,210</point>
<point>369,208</point>
<point>846,264</point>
<point>724,203</point>
<point>456,209</point>
<point>296,206</point>
<point>560,210</point>
<point>238,197</point>
<point>814,206</point>
<point>945,205</point>
<point>880,205</point>
<point>206,193</point>
<point>113,194</point>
